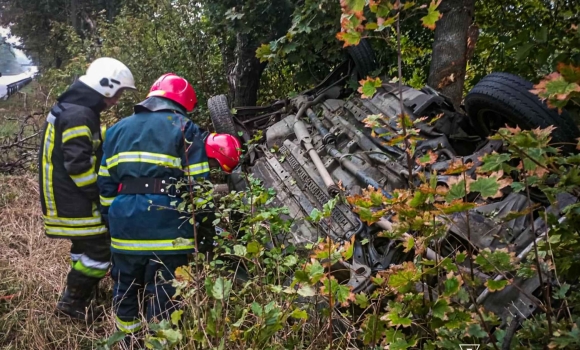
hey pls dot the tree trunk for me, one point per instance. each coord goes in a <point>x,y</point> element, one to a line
<point>74,15</point>
<point>245,72</point>
<point>450,49</point>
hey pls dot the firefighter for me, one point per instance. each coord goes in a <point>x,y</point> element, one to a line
<point>69,157</point>
<point>145,155</point>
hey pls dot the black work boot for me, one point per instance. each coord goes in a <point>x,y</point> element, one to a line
<point>77,304</point>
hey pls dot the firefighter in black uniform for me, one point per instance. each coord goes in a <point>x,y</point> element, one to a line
<point>69,159</point>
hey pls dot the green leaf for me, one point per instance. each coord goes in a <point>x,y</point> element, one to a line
<point>356,5</point>
<point>486,186</point>
<point>475,330</point>
<point>307,291</point>
<point>496,286</point>
<point>494,161</point>
<point>290,260</point>
<point>361,300</point>
<point>115,338</point>
<point>397,320</point>
<point>560,293</point>
<point>524,51</point>
<point>570,72</point>
<point>433,15</point>
<point>371,26</point>
<point>221,289</point>
<point>299,314</point>
<point>208,286</point>
<point>350,38</point>
<point>315,271</point>
<point>254,247</point>
<point>451,286</point>
<point>368,87</point>
<point>172,335</point>
<point>257,309</point>
<point>315,215</point>
<point>264,52</point>
<point>240,250</point>
<point>499,259</point>
<point>343,293</point>
<point>457,191</point>
<point>176,317</point>
<point>440,309</point>
<point>457,206</point>
<point>418,199</point>
<point>542,34</point>
<point>518,186</point>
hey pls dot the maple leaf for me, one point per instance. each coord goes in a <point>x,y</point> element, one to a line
<point>376,196</point>
<point>427,159</point>
<point>184,274</point>
<point>359,201</point>
<point>487,187</point>
<point>408,243</point>
<point>264,52</point>
<point>373,121</point>
<point>368,216</point>
<point>570,72</point>
<point>457,167</point>
<point>433,15</point>
<point>457,188</point>
<point>556,89</point>
<point>353,5</point>
<point>493,162</point>
<point>349,38</point>
<point>457,206</point>
<point>368,87</point>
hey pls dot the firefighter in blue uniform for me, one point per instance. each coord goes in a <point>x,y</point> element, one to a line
<point>69,159</point>
<point>144,154</point>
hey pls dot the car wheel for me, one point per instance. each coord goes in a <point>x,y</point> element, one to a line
<point>503,98</point>
<point>221,117</point>
<point>363,57</point>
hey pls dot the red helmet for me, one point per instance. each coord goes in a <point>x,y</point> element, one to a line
<point>224,148</point>
<point>176,89</point>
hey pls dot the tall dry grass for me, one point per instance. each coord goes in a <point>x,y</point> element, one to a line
<point>33,270</point>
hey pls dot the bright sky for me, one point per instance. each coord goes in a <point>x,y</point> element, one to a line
<point>20,56</point>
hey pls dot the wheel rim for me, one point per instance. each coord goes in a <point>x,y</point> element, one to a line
<point>490,121</point>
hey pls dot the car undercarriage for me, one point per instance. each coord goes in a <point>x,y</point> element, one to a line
<point>316,146</point>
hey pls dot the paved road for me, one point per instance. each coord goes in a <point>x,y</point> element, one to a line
<point>6,80</point>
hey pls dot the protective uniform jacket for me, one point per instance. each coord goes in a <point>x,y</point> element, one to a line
<point>68,162</point>
<point>150,144</point>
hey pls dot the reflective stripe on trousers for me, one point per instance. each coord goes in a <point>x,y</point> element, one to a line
<point>151,245</point>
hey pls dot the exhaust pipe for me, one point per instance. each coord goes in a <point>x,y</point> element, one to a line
<point>304,138</point>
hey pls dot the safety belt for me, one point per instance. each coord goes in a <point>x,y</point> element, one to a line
<point>149,185</point>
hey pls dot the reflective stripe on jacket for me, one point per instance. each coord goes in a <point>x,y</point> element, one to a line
<point>149,144</point>
<point>69,157</point>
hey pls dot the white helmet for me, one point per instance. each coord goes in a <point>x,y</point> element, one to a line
<point>107,75</point>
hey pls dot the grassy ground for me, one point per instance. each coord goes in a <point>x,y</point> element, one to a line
<point>32,272</point>
<point>31,97</point>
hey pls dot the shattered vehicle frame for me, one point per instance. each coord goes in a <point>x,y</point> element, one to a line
<point>316,145</point>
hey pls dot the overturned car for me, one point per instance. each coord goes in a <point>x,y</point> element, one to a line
<point>316,146</point>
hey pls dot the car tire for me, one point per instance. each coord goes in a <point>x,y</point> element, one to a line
<point>221,117</point>
<point>501,98</point>
<point>363,57</point>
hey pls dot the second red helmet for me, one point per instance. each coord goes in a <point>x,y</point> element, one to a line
<point>175,88</point>
<point>224,148</point>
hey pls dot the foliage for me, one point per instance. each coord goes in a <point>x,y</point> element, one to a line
<point>177,41</point>
<point>524,37</point>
